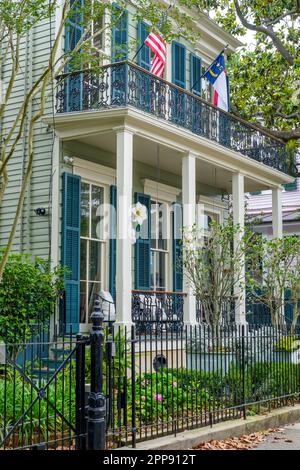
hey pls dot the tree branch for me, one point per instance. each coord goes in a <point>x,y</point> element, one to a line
<point>288,116</point>
<point>292,12</point>
<point>268,31</point>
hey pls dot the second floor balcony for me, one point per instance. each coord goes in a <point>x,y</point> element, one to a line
<point>124,84</point>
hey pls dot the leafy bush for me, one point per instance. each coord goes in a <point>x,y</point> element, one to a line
<point>28,293</point>
<point>42,422</point>
<point>165,395</point>
<point>287,343</point>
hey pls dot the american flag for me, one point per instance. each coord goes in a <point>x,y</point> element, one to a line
<point>158,46</point>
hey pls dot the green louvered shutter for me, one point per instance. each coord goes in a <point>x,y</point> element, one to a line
<point>144,54</point>
<point>73,33</point>
<point>178,64</point>
<point>178,111</point>
<point>113,242</point>
<point>195,88</point>
<point>177,247</point>
<point>119,52</point>
<point>71,248</point>
<point>143,247</point>
<point>195,73</point>
<point>143,94</point>
<point>119,35</point>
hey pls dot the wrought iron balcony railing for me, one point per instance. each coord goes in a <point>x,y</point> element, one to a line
<point>157,312</point>
<point>125,84</point>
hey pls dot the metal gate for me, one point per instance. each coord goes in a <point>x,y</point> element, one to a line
<point>42,392</point>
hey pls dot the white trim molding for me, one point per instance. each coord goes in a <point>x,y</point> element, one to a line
<point>94,172</point>
<point>161,191</point>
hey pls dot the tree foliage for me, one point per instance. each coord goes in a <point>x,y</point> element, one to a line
<point>273,271</point>
<point>28,294</point>
<point>17,20</point>
<point>265,84</point>
<point>215,270</point>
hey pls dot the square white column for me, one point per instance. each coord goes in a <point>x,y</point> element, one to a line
<point>238,208</point>
<point>189,219</point>
<point>55,204</point>
<point>277,212</point>
<point>123,242</point>
<point>278,226</point>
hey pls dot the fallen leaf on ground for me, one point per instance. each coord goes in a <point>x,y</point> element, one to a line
<point>244,442</point>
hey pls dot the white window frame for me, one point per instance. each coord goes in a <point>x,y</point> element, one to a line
<point>164,194</point>
<point>167,250</point>
<point>99,175</point>
<point>208,206</point>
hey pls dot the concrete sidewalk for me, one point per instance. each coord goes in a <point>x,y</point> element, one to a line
<point>288,439</point>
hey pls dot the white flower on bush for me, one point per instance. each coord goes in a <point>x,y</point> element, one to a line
<point>138,213</point>
<point>189,240</point>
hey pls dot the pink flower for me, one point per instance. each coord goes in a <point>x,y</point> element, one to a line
<point>158,397</point>
<point>143,398</point>
<point>174,384</point>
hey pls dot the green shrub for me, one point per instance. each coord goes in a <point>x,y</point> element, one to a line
<point>288,344</point>
<point>42,421</point>
<point>28,293</point>
<point>164,395</point>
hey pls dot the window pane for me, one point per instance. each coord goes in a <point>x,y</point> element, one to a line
<point>152,277</point>
<point>153,223</point>
<point>97,215</point>
<point>85,209</point>
<point>82,302</point>
<point>83,259</point>
<point>162,227</point>
<point>161,270</point>
<point>95,261</point>
<point>93,291</point>
<point>158,270</point>
<point>97,26</point>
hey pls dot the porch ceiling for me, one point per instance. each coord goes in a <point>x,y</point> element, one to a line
<point>215,163</point>
<point>167,159</point>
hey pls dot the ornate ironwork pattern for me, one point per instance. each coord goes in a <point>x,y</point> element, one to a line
<point>157,312</point>
<point>126,84</point>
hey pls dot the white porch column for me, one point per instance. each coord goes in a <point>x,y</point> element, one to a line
<point>277,225</point>
<point>189,219</point>
<point>277,212</point>
<point>238,203</point>
<point>55,204</point>
<point>123,242</point>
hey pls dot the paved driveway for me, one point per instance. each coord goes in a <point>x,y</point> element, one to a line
<point>287,439</point>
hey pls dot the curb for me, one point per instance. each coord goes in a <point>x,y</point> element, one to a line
<point>236,428</point>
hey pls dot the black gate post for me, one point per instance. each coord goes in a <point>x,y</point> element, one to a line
<point>96,402</point>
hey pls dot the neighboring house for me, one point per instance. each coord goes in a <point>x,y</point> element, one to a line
<point>125,136</point>
<point>259,209</point>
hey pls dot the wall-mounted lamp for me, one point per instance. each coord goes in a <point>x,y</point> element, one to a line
<point>40,211</point>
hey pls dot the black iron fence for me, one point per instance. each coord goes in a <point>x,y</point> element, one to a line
<point>126,84</point>
<point>119,386</point>
<point>158,385</point>
<point>41,392</point>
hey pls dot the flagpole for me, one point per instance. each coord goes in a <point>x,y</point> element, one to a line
<point>163,19</point>
<point>208,68</point>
